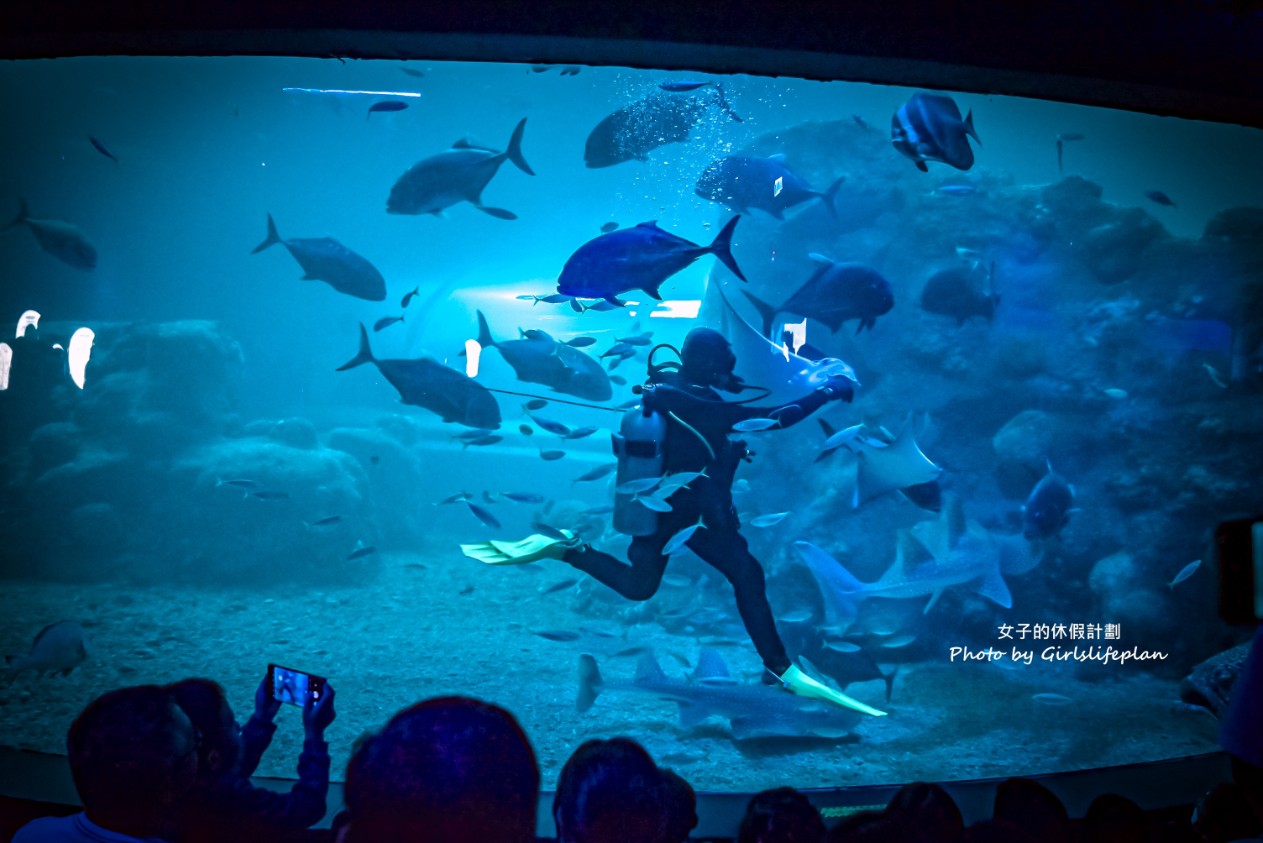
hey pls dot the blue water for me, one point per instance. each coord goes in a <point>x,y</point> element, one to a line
<point>1129,362</point>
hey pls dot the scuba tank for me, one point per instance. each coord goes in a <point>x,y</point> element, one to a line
<point>638,447</point>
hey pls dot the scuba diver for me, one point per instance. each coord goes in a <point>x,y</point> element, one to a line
<point>692,440</point>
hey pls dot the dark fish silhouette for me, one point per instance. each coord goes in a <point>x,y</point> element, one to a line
<point>1047,510</point>
<point>928,128</point>
<point>742,183</point>
<point>483,515</point>
<point>413,72</point>
<point>385,322</point>
<point>1159,197</point>
<point>101,148</point>
<point>408,297</point>
<point>325,259</point>
<point>606,228</point>
<point>636,129</point>
<point>1062,139</point>
<point>458,175</point>
<point>361,550</point>
<point>387,105</point>
<point>538,358</point>
<point>835,293</point>
<point>429,384</point>
<point>952,292</point>
<point>638,258</point>
<point>682,86</point>
<point>60,239</point>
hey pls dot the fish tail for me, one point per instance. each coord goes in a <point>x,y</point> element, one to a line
<point>590,683</point>
<point>722,248</point>
<point>767,312</point>
<point>23,214</point>
<point>514,152</point>
<point>969,126</point>
<point>830,196</point>
<point>272,238</point>
<point>484,332</point>
<point>364,355</point>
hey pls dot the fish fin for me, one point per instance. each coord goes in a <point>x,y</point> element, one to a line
<point>721,247</point>
<point>828,429</point>
<point>648,670</point>
<point>653,291</point>
<point>921,165</point>
<point>272,239</point>
<point>691,714</point>
<point>938,592</point>
<point>766,312</point>
<point>23,214</point>
<point>614,300</point>
<point>484,332</point>
<point>710,665</point>
<point>514,152</point>
<point>830,196</point>
<point>969,127</point>
<point>992,586</point>
<point>498,213</point>
<point>590,683</point>
<point>364,355</point>
<point>777,156</point>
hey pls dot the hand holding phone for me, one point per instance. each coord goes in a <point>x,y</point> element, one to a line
<point>319,713</point>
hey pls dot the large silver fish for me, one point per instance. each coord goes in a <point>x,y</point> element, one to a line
<point>427,383</point>
<point>325,259</point>
<point>60,239</point>
<point>538,358</point>
<point>59,648</point>
<point>458,175</point>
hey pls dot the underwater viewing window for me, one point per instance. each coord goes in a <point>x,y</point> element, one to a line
<point>303,328</point>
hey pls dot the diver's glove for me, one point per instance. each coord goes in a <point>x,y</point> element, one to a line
<point>804,686</point>
<point>529,549</point>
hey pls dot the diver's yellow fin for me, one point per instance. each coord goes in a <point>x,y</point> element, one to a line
<point>529,549</point>
<point>800,683</point>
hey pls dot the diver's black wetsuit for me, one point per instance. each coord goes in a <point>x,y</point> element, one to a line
<point>720,544</point>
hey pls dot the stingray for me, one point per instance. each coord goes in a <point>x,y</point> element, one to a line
<point>897,466</point>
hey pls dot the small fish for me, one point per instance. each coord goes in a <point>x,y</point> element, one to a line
<point>581,342</point>
<point>571,70</point>
<point>100,147</point>
<point>955,189</point>
<point>768,520</point>
<point>239,483</point>
<point>1052,699</point>
<point>557,634</point>
<point>618,350</point>
<point>414,566</point>
<point>489,439</point>
<point>1217,378</point>
<point>558,586</point>
<point>639,486</point>
<point>633,651</point>
<point>473,433</point>
<point>488,496</point>
<point>640,339</point>
<point>386,105</point>
<point>680,539</point>
<point>608,227</point>
<point>596,473</point>
<point>526,430</point>
<point>753,425</point>
<point>581,432</point>
<point>682,85</point>
<point>524,497</point>
<point>1115,393</point>
<point>842,646</point>
<point>618,379</point>
<point>482,515</point>
<point>552,532</point>
<point>413,72</point>
<point>861,122</point>
<point>656,504</point>
<point>549,456</point>
<point>361,550</point>
<point>797,616</point>
<point>536,404</point>
<point>271,496</point>
<point>551,426</point>
<point>409,296</point>
<point>676,581</point>
<point>898,641</point>
<point>603,509</point>
<point>456,498</point>
<point>386,322</point>
<point>466,591</point>
<point>325,522</point>
<point>1185,572</point>
<point>1160,198</point>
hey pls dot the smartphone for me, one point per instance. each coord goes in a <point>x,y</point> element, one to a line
<point>293,686</point>
<point>1239,546</point>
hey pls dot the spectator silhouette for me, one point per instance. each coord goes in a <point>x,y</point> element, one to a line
<point>680,802</point>
<point>610,791</point>
<point>224,804</point>
<point>446,770</point>
<point>929,812</point>
<point>781,815</point>
<point>1034,808</point>
<point>871,827</point>
<point>1114,819</point>
<point>133,757</point>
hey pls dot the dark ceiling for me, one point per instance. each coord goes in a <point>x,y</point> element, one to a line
<point>1173,57</point>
